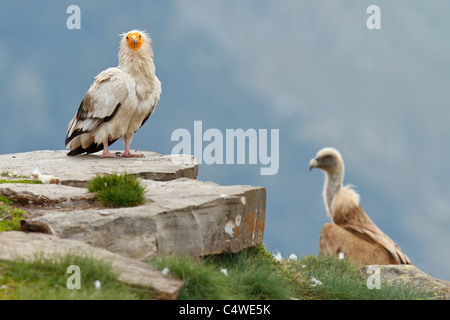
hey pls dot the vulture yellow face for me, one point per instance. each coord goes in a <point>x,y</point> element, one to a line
<point>134,40</point>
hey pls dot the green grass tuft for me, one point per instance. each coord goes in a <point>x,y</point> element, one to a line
<point>21,181</point>
<point>254,274</point>
<point>47,279</point>
<point>21,178</point>
<point>342,280</point>
<point>10,217</point>
<point>202,281</point>
<point>118,190</point>
<point>11,175</point>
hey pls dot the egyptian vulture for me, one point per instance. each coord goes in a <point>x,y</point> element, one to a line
<point>118,102</point>
<point>352,232</point>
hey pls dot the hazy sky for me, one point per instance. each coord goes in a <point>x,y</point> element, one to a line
<point>311,69</point>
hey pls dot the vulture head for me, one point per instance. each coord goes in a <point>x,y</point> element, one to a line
<point>135,42</point>
<point>328,160</point>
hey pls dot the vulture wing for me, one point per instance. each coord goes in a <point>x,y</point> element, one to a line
<point>100,104</point>
<point>355,220</point>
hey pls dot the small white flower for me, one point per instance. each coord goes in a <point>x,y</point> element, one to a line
<point>315,282</point>
<point>341,255</point>
<point>292,257</point>
<point>165,271</point>
<point>97,284</point>
<point>278,257</point>
<point>224,271</point>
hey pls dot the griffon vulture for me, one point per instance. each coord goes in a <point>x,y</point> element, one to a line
<point>119,101</point>
<point>352,231</point>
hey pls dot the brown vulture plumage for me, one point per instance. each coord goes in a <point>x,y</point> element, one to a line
<point>352,231</point>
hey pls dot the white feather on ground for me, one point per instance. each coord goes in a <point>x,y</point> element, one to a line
<point>44,178</point>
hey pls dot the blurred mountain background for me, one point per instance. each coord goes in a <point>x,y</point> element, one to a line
<point>311,69</point>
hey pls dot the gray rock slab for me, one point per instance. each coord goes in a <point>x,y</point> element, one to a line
<point>46,195</point>
<point>26,246</point>
<point>77,170</point>
<point>184,216</point>
<point>412,276</point>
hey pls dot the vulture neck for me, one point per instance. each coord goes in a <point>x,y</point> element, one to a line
<point>333,183</point>
<point>139,64</point>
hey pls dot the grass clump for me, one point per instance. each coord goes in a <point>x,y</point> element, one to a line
<point>11,175</point>
<point>254,274</point>
<point>18,178</point>
<point>118,190</point>
<point>330,278</point>
<point>21,181</point>
<point>251,274</point>
<point>47,279</point>
<point>202,281</point>
<point>10,217</point>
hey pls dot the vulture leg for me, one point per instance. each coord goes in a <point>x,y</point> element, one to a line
<point>106,153</point>
<point>127,152</point>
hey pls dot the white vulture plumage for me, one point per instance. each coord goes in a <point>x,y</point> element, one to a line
<point>119,101</point>
<point>352,232</point>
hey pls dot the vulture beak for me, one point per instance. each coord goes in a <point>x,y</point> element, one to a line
<point>314,163</point>
<point>134,40</point>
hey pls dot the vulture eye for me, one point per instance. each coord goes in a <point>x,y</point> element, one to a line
<point>140,36</point>
<point>127,38</point>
